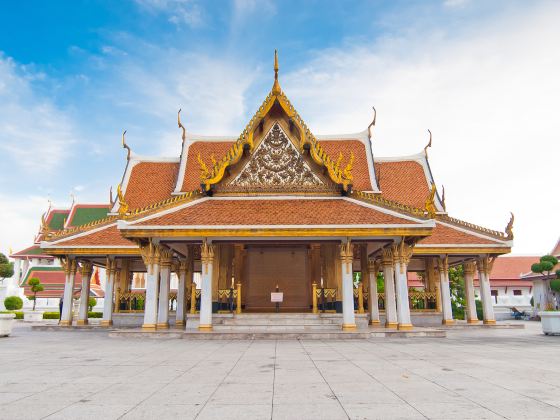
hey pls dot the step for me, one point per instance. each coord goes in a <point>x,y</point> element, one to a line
<point>287,327</point>
<point>295,321</point>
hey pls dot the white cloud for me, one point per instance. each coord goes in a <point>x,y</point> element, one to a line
<point>180,12</point>
<point>34,133</point>
<point>488,93</point>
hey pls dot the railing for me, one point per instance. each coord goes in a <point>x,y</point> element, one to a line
<point>417,301</point>
<point>172,301</point>
<point>324,299</point>
<point>227,300</point>
<point>131,301</point>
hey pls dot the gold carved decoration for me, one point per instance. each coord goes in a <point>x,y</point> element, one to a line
<point>276,163</point>
<point>87,269</point>
<point>347,255</point>
<point>443,264</point>
<point>430,205</point>
<point>166,257</point>
<point>123,206</point>
<point>387,257</point>
<point>469,268</point>
<point>150,255</point>
<point>111,267</point>
<point>206,255</point>
<point>485,264</point>
<point>509,228</point>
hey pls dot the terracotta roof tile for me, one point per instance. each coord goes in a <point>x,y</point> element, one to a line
<point>403,181</point>
<point>150,182</point>
<point>360,172</point>
<point>275,212</point>
<point>191,180</point>
<point>444,234</point>
<point>511,268</point>
<point>109,236</point>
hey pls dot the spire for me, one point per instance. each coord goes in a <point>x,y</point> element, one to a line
<point>276,86</point>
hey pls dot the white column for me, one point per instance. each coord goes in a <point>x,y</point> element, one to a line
<point>111,268</point>
<point>181,290</point>
<point>84,294</point>
<point>468,271</point>
<point>17,271</point>
<point>373,301</point>
<point>207,259</point>
<point>484,269</point>
<point>164,279</point>
<point>151,256</point>
<point>389,282</point>
<point>402,254</point>
<point>70,270</point>
<point>346,259</point>
<point>446,310</point>
<point>24,267</point>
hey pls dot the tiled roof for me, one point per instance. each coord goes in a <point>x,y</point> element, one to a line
<point>511,267</point>
<point>86,213</point>
<point>55,219</point>
<point>53,278</point>
<point>191,180</point>
<point>150,182</point>
<point>108,236</point>
<point>403,181</point>
<point>556,250</point>
<point>360,171</point>
<point>32,251</point>
<point>445,234</point>
<point>275,212</point>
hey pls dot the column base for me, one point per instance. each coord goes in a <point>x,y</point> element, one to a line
<point>405,327</point>
<point>393,325</point>
<point>205,327</point>
<point>375,322</point>
<point>106,322</point>
<point>162,325</point>
<point>489,322</point>
<point>179,323</point>
<point>82,322</point>
<point>65,323</point>
<point>149,327</point>
<point>472,321</point>
<point>348,327</point>
<point>448,322</point>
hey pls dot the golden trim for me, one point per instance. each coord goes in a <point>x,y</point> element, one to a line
<point>447,322</point>
<point>392,325</point>
<point>149,327</point>
<point>162,325</point>
<point>309,232</point>
<point>106,322</point>
<point>374,322</point>
<point>65,323</point>
<point>205,327</point>
<point>348,327</point>
<point>81,322</point>
<point>489,322</point>
<point>179,323</point>
<point>405,327</point>
<point>93,251</point>
<point>472,321</point>
<point>419,250</point>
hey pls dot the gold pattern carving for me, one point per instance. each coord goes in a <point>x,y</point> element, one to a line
<point>206,255</point>
<point>123,206</point>
<point>430,205</point>
<point>347,256</point>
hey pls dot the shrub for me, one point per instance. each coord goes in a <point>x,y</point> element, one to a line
<point>478,304</point>
<point>6,267</point>
<point>36,287</point>
<point>13,303</point>
<point>91,303</point>
<point>51,315</point>
<point>555,285</point>
<point>95,314</point>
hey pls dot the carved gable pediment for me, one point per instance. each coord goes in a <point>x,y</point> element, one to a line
<point>277,165</point>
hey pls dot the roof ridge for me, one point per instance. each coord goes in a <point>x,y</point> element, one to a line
<point>59,234</point>
<point>377,199</point>
<point>163,204</point>
<point>479,229</point>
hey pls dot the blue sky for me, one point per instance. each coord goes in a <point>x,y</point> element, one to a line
<point>481,75</point>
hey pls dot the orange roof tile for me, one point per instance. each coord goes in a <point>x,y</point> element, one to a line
<point>109,236</point>
<point>191,180</point>
<point>403,181</point>
<point>444,234</point>
<point>275,212</point>
<point>150,182</point>
<point>360,171</point>
<point>511,268</point>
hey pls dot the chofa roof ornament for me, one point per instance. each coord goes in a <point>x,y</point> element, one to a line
<point>125,146</point>
<point>429,144</point>
<point>509,227</point>
<point>372,124</point>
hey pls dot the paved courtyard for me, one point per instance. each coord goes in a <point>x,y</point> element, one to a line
<point>471,374</point>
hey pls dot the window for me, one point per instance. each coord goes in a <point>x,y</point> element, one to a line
<point>494,294</point>
<point>517,293</point>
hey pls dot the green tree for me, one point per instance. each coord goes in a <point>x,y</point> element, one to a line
<point>6,267</point>
<point>13,303</point>
<point>91,303</point>
<point>546,267</point>
<point>457,291</point>
<point>36,287</point>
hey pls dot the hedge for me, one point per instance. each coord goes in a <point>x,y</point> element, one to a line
<point>19,314</point>
<point>13,303</point>
<point>56,315</point>
<point>95,314</point>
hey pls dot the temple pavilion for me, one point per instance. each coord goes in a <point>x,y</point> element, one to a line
<point>316,218</point>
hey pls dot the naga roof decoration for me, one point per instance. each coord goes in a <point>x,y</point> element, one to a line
<point>307,141</point>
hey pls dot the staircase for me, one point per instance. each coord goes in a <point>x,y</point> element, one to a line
<point>273,322</point>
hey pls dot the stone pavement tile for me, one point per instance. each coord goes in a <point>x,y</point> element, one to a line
<point>235,411</point>
<point>324,411</point>
<point>8,397</point>
<point>124,394</point>
<point>382,411</point>
<point>25,411</point>
<point>242,394</point>
<point>307,376</point>
<point>150,412</point>
<point>85,411</point>
<point>368,393</point>
<point>181,394</point>
<point>523,408</point>
<point>303,393</point>
<point>459,410</point>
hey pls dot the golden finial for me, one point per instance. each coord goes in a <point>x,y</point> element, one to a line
<point>203,168</point>
<point>372,124</point>
<point>73,197</point>
<point>111,201</point>
<point>276,86</point>
<point>123,207</point>
<point>44,229</point>
<point>125,146</point>
<point>430,205</point>
<point>184,135</point>
<point>429,144</point>
<point>509,227</point>
<point>443,197</point>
